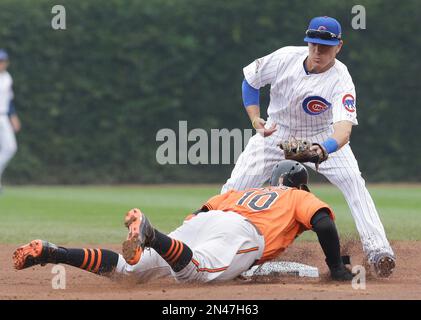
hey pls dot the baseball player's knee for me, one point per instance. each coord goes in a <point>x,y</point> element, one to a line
<point>9,150</point>
<point>13,149</point>
<point>123,267</point>
<point>351,178</point>
<point>141,273</point>
<point>190,273</point>
<point>355,177</point>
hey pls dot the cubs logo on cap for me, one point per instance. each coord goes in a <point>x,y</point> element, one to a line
<point>324,30</point>
<point>348,101</point>
<point>315,105</point>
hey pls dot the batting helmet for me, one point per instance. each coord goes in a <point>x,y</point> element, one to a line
<point>294,174</point>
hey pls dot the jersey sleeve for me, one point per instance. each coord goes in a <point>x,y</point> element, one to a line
<point>344,106</point>
<point>10,84</point>
<point>307,204</point>
<point>263,71</point>
<point>12,109</point>
<point>214,202</point>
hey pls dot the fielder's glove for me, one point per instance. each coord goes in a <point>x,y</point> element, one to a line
<point>299,150</point>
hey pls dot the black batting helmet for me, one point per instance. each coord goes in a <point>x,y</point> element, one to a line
<point>294,174</point>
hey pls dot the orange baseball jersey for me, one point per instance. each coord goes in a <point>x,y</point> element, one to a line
<point>280,213</point>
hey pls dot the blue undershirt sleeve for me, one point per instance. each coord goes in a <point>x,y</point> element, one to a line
<point>250,94</point>
<point>12,109</point>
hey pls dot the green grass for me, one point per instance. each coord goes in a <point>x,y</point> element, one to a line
<point>95,214</point>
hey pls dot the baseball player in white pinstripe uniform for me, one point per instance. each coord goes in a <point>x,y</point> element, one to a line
<point>312,97</point>
<point>9,122</point>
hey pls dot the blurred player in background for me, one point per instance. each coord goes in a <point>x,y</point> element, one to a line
<point>9,121</point>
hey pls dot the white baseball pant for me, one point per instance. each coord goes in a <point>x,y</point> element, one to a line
<point>224,244</point>
<point>8,145</point>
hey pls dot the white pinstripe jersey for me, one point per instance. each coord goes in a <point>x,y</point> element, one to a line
<point>306,104</point>
<point>6,93</point>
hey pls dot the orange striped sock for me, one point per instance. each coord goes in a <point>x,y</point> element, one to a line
<point>100,261</point>
<point>176,253</point>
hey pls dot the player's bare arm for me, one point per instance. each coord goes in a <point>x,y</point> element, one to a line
<point>340,136</point>
<point>342,132</point>
<point>257,122</point>
<point>15,121</point>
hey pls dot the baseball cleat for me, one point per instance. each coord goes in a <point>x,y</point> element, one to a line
<point>384,264</point>
<point>36,252</point>
<point>141,234</point>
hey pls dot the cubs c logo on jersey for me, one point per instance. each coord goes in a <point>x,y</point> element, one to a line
<point>315,105</point>
<point>348,102</point>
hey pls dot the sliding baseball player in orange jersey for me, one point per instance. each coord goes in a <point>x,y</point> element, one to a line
<point>229,234</point>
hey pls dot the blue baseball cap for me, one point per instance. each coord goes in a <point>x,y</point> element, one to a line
<point>324,30</point>
<point>3,55</point>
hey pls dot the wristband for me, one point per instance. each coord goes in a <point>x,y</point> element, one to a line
<point>331,145</point>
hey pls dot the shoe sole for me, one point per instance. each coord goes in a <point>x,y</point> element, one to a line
<point>385,267</point>
<point>133,246</point>
<point>23,255</point>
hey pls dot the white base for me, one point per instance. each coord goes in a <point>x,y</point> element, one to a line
<point>274,268</point>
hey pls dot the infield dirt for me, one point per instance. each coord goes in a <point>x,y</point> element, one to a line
<point>405,283</point>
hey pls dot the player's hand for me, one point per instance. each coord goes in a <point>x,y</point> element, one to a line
<point>318,150</point>
<point>15,122</point>
<point>259,125</point>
